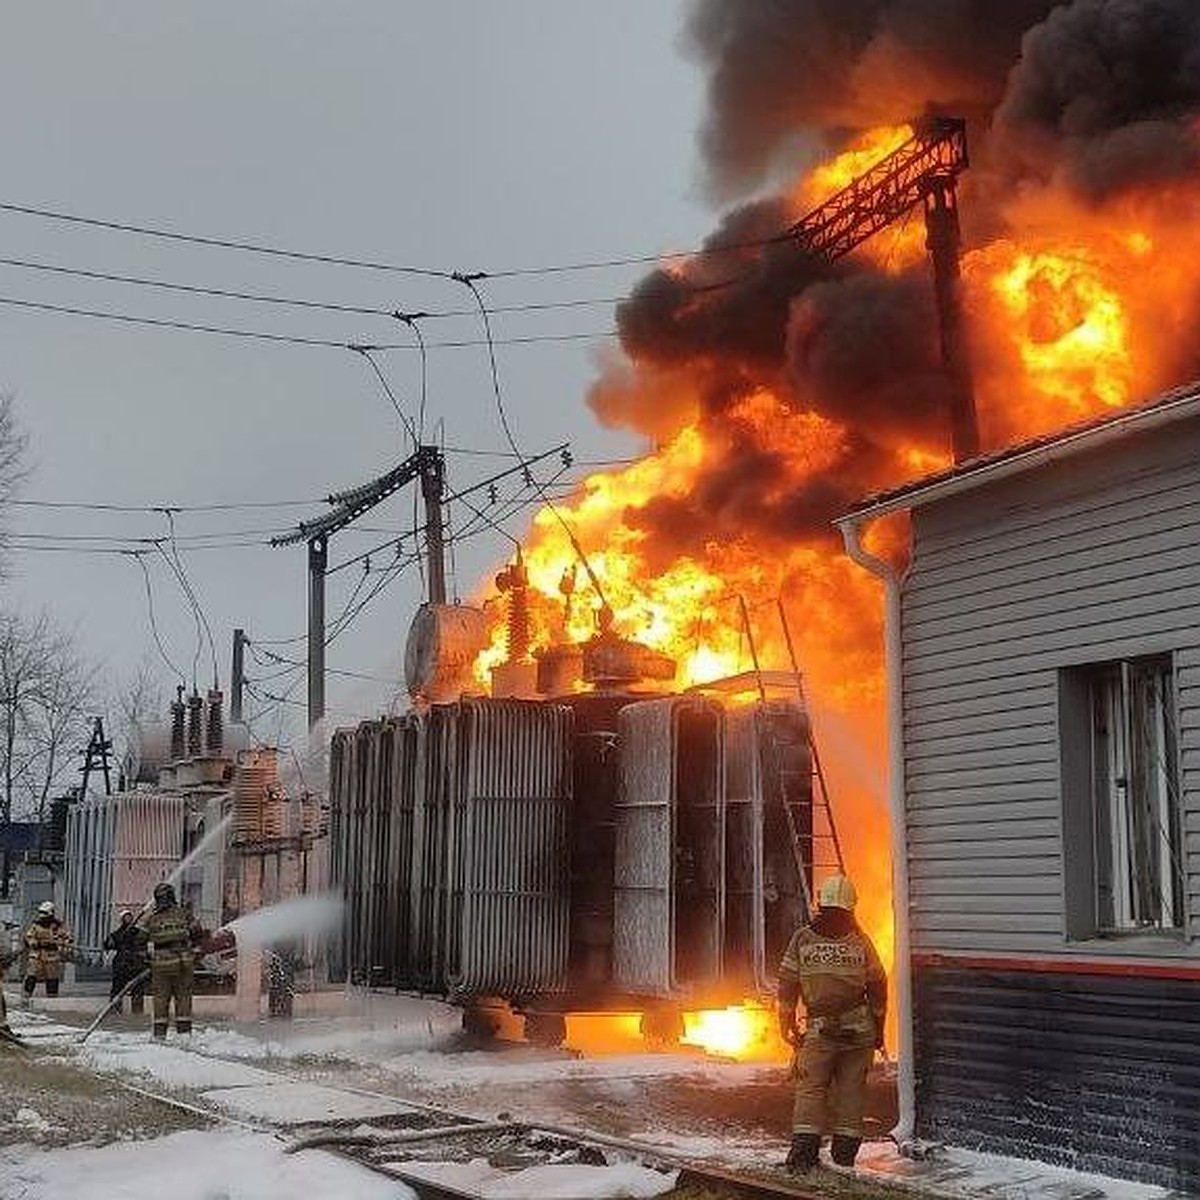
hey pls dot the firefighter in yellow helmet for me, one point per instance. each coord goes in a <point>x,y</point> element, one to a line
<point>832,967</point>
<point>174,936</point>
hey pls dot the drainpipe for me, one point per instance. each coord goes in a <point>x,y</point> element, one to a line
<point>902,974</point>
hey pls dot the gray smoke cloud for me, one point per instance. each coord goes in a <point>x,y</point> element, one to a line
<point>780,67</point>
<point>1106,96</point>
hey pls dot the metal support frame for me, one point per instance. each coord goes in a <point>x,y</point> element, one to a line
<point>428,465</point>
<point>924,171</point>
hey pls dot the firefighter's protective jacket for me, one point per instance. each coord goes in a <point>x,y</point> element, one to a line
<point>47,944</point>
<point>833,968</point>
<point>173,933</point>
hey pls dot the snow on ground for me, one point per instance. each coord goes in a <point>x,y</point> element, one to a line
<point>554,1181</point>
<point>191,1165</point>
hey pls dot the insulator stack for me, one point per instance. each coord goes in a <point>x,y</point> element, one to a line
<point>214,734</point>
<point>195,725</point>
<point>178,709</point>
<point>515,581</point>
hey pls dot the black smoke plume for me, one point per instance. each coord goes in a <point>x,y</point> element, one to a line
<point>1100,96</point>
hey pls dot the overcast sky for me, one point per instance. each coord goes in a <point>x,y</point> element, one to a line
<point>454,134</point>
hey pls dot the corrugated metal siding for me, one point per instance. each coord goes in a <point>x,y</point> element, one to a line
<point>1090,560</point>
<point>510,850</point>
<point>451,846</point>
<point>1097,1073</point>
<point>118,847</point>
<point>669,873</point>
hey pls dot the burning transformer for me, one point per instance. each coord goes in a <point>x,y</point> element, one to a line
<point>577,841</point>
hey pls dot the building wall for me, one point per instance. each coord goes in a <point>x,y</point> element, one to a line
<point>1093,559</point>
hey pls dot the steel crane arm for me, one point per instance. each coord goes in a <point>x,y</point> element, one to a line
<point>353,503</point>
<point>935,155</point>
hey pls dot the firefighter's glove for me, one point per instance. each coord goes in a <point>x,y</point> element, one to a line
<point>787,1028</point>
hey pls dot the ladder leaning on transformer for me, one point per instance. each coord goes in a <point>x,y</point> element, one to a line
<point>809,824</point>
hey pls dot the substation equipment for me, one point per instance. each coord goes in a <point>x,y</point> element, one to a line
<point>585,838</point>
<point>196,793</point>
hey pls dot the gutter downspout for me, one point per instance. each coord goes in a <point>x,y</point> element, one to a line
<point>904,1131</point>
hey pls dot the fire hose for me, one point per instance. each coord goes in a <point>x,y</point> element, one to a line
<point>222,939</point>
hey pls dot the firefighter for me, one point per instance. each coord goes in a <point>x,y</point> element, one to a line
<point>834,969</point>
<point>129,961</point>
<point>47,945</point>
<point>173,934</point>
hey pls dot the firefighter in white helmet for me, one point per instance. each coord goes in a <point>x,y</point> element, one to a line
<point>47,947</point>
<point>833,968</point>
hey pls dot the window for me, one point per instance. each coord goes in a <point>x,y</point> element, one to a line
<point>1124,843</point>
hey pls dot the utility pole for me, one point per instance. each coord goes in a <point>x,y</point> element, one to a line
<point>318,559</point>
<point>425,464</point>
<point>237,677</point>
<point>433,482</point>
<point>944,242</point>
<point>923,171</point>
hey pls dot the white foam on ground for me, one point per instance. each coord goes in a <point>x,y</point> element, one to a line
<point>192,1165</point>
<point>553,1181</point>
<point>287,1102</point>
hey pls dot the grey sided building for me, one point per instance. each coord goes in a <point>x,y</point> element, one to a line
<point>1044,662</point>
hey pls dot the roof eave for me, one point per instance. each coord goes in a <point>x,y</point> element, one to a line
<point>985,473</point>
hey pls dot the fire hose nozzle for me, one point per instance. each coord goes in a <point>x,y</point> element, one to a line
<point>218,941</point>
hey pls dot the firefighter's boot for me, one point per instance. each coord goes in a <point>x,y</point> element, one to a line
<point>844,1149</point>
<point>803,1153</point>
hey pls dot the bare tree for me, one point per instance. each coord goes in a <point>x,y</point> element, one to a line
<point>45,693</point>
<point>13,467</point>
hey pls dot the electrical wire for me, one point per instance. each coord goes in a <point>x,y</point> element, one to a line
<point>274,251</point>
<point>259,335</point>
<point>366,310</point>
<point>190,593</point>
<point>404,419</point>
<point>158,642</point>
<point>413,321</point>
<point>94,506</point>
<point>470,283</point>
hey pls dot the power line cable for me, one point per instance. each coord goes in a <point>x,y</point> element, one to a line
<point>365,352</point>
<point>158,642</point>
<point>301,302</point>
<point>96,506</point>
<point>413,322</point>
<point>190,593</point>
<point>284,338</point>
<point>471,284</point>
<point>274,251</point>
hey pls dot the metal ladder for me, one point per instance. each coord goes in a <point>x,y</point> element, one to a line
<point>821,825</point>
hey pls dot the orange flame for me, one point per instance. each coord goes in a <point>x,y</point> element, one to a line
<point>1071,312</point>
<point>746,1032</point>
